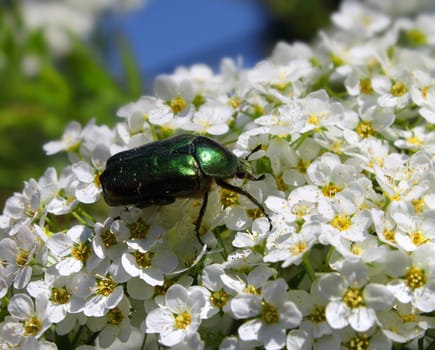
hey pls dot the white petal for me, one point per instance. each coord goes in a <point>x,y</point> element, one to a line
<point>21,306</point>
<point>87,193</point>
<point>299,340</point>
<point>60,244</point>
<point>362,318</point>
<point>153,277</point>
<point>115,298</point>
<point>245,305</point>
<point>250,330</point>
<point>129,264</point>
<point>273,337</point>
<point>424,299</point>
<point>378,296</point>
<point>68,266</point>
<point>159,320</point>
<point>337,313</point>
<point>95,306</point>
<point>177,298</point>
<point>83,171</point>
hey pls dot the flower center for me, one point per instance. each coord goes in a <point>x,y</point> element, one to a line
<point>108,238</point>
<point>32,326</point>
<point>341,222</point>
<point>60,295</point>
<point>298,248</point>
<point>105,286</point>
<point>398,89</point>
<point>144,259</point>
<point>269,313</point>
<point>365,86</point>
<point>254,213</point>
<point>251,290</point>
<point>415,277</point>
<point>22,257</point>
<point>318,314</point>
<point>177,104</point>
<point>389,235</point>
<point>219,298</point>
<point>360,342</point>
<point>353,298</point>
<point>138,229</point>
<point>229,198</point>
<point>418,238</point>
<point>115,316</point>
<point>331,190</point>
<point>365,129</point>
<point>183,320</point>
<point>81,251</point>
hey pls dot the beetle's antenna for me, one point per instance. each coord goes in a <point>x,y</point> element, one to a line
<point>241,191</point>
<point>250,176</point>
<point>257,148</point>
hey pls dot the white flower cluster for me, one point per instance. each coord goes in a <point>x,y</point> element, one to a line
<point>59,19</point>
<point>346,128</point>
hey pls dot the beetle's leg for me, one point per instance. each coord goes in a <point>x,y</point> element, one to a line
<point>201,216</point>
<point>241,191</point>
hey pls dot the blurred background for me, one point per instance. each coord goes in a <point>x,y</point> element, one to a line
<point>64,60</point>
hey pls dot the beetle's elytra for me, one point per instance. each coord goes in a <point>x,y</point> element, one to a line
<point>182,166</point>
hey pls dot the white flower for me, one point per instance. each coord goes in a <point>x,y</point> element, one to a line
<point>59,20</point>
<point>218,293</point>
<point>72,250</point>
<point>24,207</point>
<point>413,276</point>
<point>423,94</point>
<point>150,266</point>
<point>344,219</point>
<point>31,319</point>
<point>89,187</point>
<point>109,238</point>
<point>291,246</point>
<point>312,306</point>
<point>412,231</point>
<point>70,141</point>
<point>17,253</point>
<point>359,19</point>
<point>270,314</point>
<point>258,233</point>
<point>287,117</point>
<point>58,290</point>
<point>212,118</point>
<point>114,325</point>
<point>178,95</point>
<point>251,283</point>
<point>405,323</point>
<point>393,91</point>
<point>179,317</point>
<point>373,339</point>
<point>63,200</point>
<point>105,294</point>
<point>397,8</point>
<point>352,300</point>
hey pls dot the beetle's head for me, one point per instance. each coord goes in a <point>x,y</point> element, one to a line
<point>244,171</point>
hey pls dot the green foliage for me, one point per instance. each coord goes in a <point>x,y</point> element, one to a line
<point>41,92</point>
<point>299,19</point>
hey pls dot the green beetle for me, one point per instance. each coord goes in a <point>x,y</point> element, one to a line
<point>182,166</point>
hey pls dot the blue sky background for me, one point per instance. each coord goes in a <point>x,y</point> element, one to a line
<point>165,34</point>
